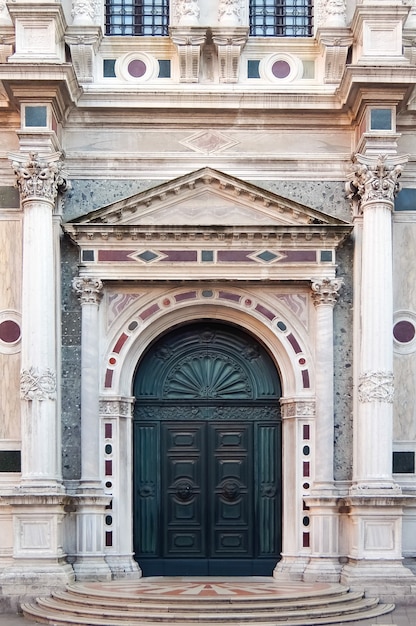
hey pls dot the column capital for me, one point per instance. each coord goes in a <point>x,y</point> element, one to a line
<point>89,290</point>
<point>325,291</point>
<point>38,177</point>
<point>374,179</point>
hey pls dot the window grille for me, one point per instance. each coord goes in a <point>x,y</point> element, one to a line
<point>137,17</point>
<point>281,18</point>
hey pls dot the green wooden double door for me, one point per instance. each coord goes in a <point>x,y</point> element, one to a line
<point>207,455</point>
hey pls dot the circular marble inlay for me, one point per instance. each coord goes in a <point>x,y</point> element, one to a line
<point>281,69</point>
<point>112,360</point>
<point>404,331</point>
<point>137,68</point>
<point>9,331</point>
<point>133,325</point>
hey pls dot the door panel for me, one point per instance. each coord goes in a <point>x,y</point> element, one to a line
<point>183,489</point>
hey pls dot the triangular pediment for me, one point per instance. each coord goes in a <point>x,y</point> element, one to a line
<point>206,197</point>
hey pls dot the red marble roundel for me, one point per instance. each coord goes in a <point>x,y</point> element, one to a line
<point>281,69</point>
<point>9,331</point>
<point>136,68</point>
<point>404,331</point>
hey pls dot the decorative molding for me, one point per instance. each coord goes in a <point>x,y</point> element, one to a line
<point>325,291</point>
<point>229,12</point>
<point>374,179</point>
<point>296,408</point>
<point>376,387</point>
<point>193,412</point>
<point>40,178</point>
<point>89,290</point>
<point>37,384</point>
<point>187,12</point>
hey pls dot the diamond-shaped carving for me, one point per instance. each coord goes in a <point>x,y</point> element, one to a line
<point>147,256</point>
<point>208,141</point>
<point>266,256</point>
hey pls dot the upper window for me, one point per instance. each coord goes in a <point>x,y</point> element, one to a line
<point>137,17</point>
<point>281,18</point>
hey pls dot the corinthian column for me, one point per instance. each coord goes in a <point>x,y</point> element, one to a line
<point>324,295</point>
<point>39,181</point>
<point>89,291</point>
<point>374,185</point>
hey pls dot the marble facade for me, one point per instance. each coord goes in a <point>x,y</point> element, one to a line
<point>208,183</point>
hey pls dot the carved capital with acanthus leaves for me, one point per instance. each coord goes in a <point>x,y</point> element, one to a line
<point>376,387</point>
<point>326,291</point>
<point>89,290</point>
<point>40,178</point>
<point>374,179</point>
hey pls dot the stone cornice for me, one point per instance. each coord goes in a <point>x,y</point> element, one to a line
<point>317,236</point>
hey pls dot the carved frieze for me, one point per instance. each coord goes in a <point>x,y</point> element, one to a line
<point>229,12</point>
<point>89,290</point>
<point>298,408</point>
<point>39,178</point>
<point>84,11</point>
<point>376,387</point>
<point>325,291</point>
<point>374,179</point>
<point>187,12</point>
<point>37,384</point>
<point>114,408</point>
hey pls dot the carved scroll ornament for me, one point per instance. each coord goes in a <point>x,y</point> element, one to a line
<point>38,178</point>
<point>89,290</point>
<point>229,11</point>
<point>37,384</point>
<point>325,291</point>
<point>376,387</point>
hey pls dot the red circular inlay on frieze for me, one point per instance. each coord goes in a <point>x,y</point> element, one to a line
<point>136,68</point>
<point>281,69</point>
<point>9,331</point>
<point>404,331</point>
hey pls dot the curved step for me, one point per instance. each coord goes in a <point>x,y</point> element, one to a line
<point>167,601</point>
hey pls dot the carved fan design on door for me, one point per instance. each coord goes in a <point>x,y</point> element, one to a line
<point>207,375</point>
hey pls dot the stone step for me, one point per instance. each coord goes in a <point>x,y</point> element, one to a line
<point>58,618</point>
<point>163,603</point>
<point>203,603</point>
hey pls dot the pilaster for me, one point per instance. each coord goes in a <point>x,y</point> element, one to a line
<point>298,433</point>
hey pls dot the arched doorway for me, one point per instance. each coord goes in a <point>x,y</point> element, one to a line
<point>207,454</point>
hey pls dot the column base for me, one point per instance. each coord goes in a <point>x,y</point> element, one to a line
<point>30,579</point>
<point>91,569</point>
<point>389,581</point>
<point>323,569</point>
<point>290,568</point>
<point>123,566</point>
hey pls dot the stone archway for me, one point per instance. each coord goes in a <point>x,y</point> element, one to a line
<point>207,454</point>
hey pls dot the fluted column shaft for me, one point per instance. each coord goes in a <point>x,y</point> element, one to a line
<point>39,181</point>
<point>324,294</point>
<point>89,291</point>
<point>374,185</point>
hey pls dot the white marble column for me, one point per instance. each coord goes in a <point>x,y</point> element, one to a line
<point>375,184</point>
<point>39,181</point>
<point>89,291</point>
<point>324,295</point>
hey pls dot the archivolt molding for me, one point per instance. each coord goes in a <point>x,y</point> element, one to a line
<point>272,324</point>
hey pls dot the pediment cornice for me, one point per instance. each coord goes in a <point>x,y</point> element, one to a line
<point>202,199</point>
